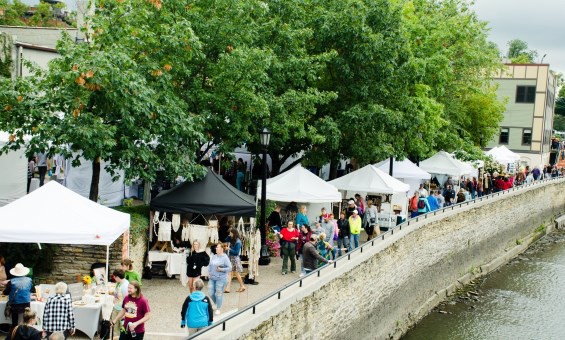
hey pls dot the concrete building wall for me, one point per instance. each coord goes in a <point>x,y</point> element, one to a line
<point>536,116</point>
<point>41,36</point>
<point>381,292</point>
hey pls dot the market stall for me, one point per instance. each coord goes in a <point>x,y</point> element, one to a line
<point>204,201</point>
<point>503,155</point>
<point>389,193</point>
<point>30,219</point>
<point>443,165</point>
<point>303,187</point>
<point>406,172</point>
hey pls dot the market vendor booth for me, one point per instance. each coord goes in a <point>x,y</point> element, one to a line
<point>30,219</point>
<point>302,187</point>
<point>388,193</point>
<point>189,212</point>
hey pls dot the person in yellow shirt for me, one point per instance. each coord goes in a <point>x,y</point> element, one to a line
<point>355,228</point>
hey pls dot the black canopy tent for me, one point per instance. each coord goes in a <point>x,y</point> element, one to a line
<point>210,196</point>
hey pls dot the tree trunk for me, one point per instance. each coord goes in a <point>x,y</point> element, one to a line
<point>95,180</point>
<point>333,168</point>
<point>275,163</point>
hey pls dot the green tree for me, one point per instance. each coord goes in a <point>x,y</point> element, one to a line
<point>13,13</point>
<point>255,71</point>
<point>43,14</point>
<point>449,44</point>
<point>560,103</point>
<point>519,54</point>
<point>115,99</point>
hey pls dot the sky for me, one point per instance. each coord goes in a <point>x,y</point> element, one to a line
<point>540,23</point>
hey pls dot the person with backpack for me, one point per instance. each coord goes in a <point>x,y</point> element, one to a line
<point>196,312</point>
<point>423,206</point>
<point>413,206</point>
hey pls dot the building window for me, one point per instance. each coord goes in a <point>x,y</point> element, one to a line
<point>504,133</point>
<point>527,137</point>
<point>525,94</point>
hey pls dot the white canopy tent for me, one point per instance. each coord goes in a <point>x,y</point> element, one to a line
<point>371,180</point>
<point>81,221</point>
<point>299,185</point>
<point>503,155</point>
<point>405,171</point>
<point>13,182</point>
<point>443,163</point>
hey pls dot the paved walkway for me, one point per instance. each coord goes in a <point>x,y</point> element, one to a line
<point>166,297</point>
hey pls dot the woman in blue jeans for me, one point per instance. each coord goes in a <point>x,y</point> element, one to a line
<point>218,270</point>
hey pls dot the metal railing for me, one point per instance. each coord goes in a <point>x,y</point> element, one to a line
<point>347,257</point>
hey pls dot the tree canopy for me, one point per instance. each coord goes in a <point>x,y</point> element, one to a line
<point>518,52</point>
<point>332,79</point>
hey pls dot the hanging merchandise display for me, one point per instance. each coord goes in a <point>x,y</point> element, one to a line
<point>176,222</point>
<point>164,229</point>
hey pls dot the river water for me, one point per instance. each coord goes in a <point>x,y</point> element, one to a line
<point>524,299</point>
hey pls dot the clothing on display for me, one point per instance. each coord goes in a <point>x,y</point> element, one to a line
<point>176,222</point>
<point>164,230</point>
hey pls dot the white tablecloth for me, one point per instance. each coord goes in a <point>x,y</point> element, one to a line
<point>174,261</point>
<point>86,317</point>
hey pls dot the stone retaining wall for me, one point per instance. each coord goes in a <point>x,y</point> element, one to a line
<point>72,260</point>
<point>381,292</point>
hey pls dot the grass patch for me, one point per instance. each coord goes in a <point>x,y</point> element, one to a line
<point>541,228</point>
<point>139,221</point>
<point>519,241</point>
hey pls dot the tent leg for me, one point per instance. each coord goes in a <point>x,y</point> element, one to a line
<point>107,263</point>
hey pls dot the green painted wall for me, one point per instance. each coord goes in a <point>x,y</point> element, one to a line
<point>517,115</point>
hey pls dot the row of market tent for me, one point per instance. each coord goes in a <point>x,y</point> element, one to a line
<point>29,219</point>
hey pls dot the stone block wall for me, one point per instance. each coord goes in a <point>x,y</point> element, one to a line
<point>381,292</point>
<point>72,260</point>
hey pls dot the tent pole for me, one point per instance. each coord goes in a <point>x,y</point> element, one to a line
<point>107,263</point>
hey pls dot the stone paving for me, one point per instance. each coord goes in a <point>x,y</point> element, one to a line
<point>166,297</point>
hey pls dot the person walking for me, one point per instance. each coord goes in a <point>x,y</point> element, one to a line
<point>58,315</point>
<point>240,175</point>
<point>343,234</point>
<point>289,238</point>
<point>301,217</point>
<point>196,312</point>
<point>27,331</point>
<point>18,289</point>
<point>194,263</point>
<point>120,293</point>
<point>371,220</point>
<point>135,312</point>
<point>218,270</point>
<point>355,229</point>
<point>303,238</point>
<point>130,274</point>
<point>30,170</point>
<point>329,231</point>
<point>311,255</point>
<point>235,249</point>
<point>42,167</point>
<point>440,199</point>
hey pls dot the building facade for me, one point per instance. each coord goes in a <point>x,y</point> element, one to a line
<point>528,120</point>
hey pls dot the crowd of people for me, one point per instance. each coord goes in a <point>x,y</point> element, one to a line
<point>330,237</point>
<point>440,196</point>
<point>131,308</point>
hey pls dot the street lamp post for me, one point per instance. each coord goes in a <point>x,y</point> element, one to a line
<point>265,139</point>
